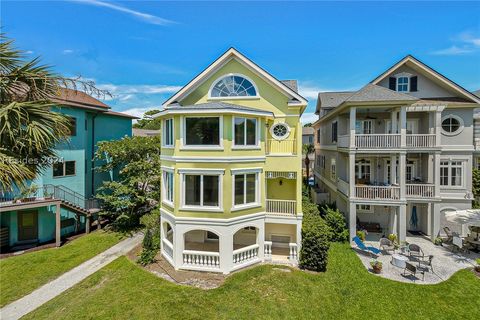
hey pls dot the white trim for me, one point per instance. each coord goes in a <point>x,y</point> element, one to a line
<point>257,135</point>
<point>214,111</point>
<point>214,83</point>
<point>460,128</point>
<point>246,170</point>
<point>189,159</point>
<point>164,188</point>
<point>282,137</point>
<point>222,60</point>
<point>202,173</point>
<point>246,205</point>
<point>164,133</point>
<point>184,146</point>
<point>177,220</point>
<point>449,173</point>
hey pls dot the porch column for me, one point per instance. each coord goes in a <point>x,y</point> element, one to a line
<point>438,127</point>
<point>435,220</point>
<point>226,252</point>
<point>393,168</point>
<point>260,240</point>
<point>352,219</point>
<point>351,175</point>
<point>403,126</point>
<point>58,226</point>
<point>429,219</point>
<point>178,246</point>
<point>401,174</point>
<point>394,121</point>
<point>402,222</point>
<point>436,173</point>
<point>353,120</point>
<point>87,224</point>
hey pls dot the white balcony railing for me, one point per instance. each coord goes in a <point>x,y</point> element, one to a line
<point>245,255</point>
<point>268,249</point>
<point>421,140</point>
<point>343,187</point>
<point>283,207</point>
<point>420,190</point>
<point>201,260</point>
<point>287,147</point>
<point>377,141</point>
<point>377,192</point>
<point>168,248</point>
<point>293,251</point>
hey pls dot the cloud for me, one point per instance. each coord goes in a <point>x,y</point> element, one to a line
<point>464,43</point>
<point>29,52</point>
<point>149,18</point>
<point>452,51</point>
<point>139,111</point>
<point>308,91</point>
<point>67,51</point>
<point>127,91</point>
<point>308,117</point>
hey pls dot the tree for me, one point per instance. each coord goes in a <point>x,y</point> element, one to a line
<point>309,124</point>
<point>476,188</point>
<point>29,128</point>
<point>307,150</point>
<point>136,161</point>
<point>148,122</point>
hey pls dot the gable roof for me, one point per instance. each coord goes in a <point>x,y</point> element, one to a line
<point>77,98</point>
<point>416,64</point>
<point>477,93</point>
<point>233,53</point>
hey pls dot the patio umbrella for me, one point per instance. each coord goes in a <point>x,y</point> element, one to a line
<point>469,217</point>
<point>414,217</point>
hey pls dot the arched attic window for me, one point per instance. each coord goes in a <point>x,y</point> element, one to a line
<point>233,85</point>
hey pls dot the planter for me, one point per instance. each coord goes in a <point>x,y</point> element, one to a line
<point>377,270</point>
<point>31,199</point>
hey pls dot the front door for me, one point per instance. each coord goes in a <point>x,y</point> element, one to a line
<point>27,225</point>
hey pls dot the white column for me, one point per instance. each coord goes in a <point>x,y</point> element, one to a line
<point>401,174</point>
<point>429,219</point>
<point>438,128</point>
<point>402,222</point>
<point>178,246</point>
<point>403,126</point>
<point>353,119</point>
<point>436,173</point>
<point>299,235</point>
<point>351,174</point>
<point>260,241</point>
<point>226,251</point>
<point>352,219</point>
<point>435,220</point>
<point>393,168</point>
<point>394,121</point>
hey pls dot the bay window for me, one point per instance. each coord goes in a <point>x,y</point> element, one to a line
<point>245,132</point>
<point>202,131</point>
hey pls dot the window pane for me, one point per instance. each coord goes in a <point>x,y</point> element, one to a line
<point>210,190</point>
<point>251,186</point>
<point>239,185</point>
<point>240,131</point>
<point>251,131</point>
<point>456,176</point>
<point>69,168</point>
<point>192,190</point>
<point>58,169</point>
<point>444,176</point>
<point>202,131</point>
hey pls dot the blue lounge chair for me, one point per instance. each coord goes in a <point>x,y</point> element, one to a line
<point>363,247</point>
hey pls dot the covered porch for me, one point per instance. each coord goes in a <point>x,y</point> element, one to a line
<point>281,193</point>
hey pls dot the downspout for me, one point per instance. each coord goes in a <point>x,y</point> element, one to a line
<point>93,154</point>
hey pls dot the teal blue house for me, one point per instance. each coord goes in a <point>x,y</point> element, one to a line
<point>63,201</point>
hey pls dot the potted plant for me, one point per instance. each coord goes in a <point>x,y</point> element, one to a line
<point>361,235</point>
<point>376,266</point>
<point>438,241</point>
<point>47,195</point>
<point>29,193</point>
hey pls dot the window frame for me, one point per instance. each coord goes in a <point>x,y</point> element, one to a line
<point>334,131</point>
<point>244,172</point>
<point>278,138</point>
<point>333,169</point>
<point>168,171</point>
<point>361,126</point>
<point>460,127</point>
<point>403,84</point>
<point>165,133</point>
<point>214,83</point>
<point>201,172</point>
<point>449,166</point>
<point>183,134</point>
<point>360,167</point>
<point>257,134</point>
<point>64,167</point>
<point>364,209</point>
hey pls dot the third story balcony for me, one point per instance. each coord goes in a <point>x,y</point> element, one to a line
<point>387,141</point>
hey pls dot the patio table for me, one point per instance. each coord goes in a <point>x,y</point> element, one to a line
<point>399,260</point>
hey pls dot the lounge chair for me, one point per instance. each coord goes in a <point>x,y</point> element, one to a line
<point>387,245</point>
<point>363,247</point>
<point>413,270</point>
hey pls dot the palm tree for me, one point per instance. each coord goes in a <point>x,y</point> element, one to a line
<point>29,128</point>
<point>308,149</point>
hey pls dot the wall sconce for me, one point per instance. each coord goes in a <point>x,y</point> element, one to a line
<point>280,182</point>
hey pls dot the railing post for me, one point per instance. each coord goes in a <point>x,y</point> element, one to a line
<point>353,119</point>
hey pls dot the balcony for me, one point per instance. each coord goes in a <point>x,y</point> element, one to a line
<point>377,192</point>
<point>281,147</point>
<point>386,141</point>
<point>281,207</point>
<point>420,190</point>
<point>421,140</point>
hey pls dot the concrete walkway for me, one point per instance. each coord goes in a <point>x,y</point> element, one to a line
<point>32,301</point>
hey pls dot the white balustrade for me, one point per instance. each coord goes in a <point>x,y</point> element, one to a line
<point>268,249</point>
<point>343,141</point>
<point>377,141</point>
<point>287,146</point>
<point>245,255</point>
<point>420,190</point>
<point>293,251</point>
<point>168,248</point>
<point>343,187</point>
<point>377,192</point>
<point>421,140</point>
<point>201,259</point>
<point>286,207</point>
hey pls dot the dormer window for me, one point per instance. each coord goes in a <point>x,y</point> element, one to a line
<point>233,85</point>
<point>402,84</point>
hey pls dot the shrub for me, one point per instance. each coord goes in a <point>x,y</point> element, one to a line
<point>392,237</point>
<point>151,241</point>
<point>338,226</point>
<point>361,235</point>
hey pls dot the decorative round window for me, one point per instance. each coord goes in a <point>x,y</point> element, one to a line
<point>452,124</point>
<point>233,86</point>
<point>280,131</point>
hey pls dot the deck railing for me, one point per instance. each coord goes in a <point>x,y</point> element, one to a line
<point>420,190</point>
<point>377,141</point>
<point>200,260</point>
<point>287,146</point>
<point>245,255</point>
<point>421,140</point>
<point>293,251</point>
<point>286,207</point>
<point>377,192</point>
<point>168,248</point>
<point>268,249</point>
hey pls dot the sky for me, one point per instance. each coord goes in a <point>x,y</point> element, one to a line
<point>144,51</point>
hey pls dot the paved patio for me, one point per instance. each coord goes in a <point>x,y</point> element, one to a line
<point>445,263</point>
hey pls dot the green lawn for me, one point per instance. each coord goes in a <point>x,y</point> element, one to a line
<point>122,290</point>
<point>20,275</point>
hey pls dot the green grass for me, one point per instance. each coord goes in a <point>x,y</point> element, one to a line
<point>20,275</point>
<point>122,290</point>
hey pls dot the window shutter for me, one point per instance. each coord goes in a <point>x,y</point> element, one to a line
<point>413,84</point>
<point>392,83</point>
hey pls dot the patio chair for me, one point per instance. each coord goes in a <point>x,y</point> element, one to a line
<point>363,247</point>
<point>387,245</point>
<point>427,263</point>
<point>415,251</point>
<point>410,268</point>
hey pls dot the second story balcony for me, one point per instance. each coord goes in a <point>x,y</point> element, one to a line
<point>387,141</point>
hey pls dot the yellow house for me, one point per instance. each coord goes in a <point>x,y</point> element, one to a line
<point>231,168</point>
